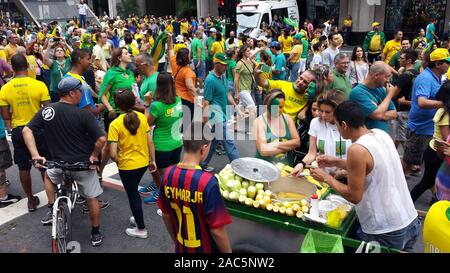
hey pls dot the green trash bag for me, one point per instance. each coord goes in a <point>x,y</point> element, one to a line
<point>320,242</point>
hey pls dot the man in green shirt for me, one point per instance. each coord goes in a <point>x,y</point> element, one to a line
<point>209,42</point>
<point>198,56</point>
<point>341,81</point>
<point>145,67</point>
<point>216,107</point>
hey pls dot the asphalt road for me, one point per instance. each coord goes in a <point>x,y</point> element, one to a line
<point>25,234</point>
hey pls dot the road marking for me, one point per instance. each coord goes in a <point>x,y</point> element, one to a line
<point>20,208</point>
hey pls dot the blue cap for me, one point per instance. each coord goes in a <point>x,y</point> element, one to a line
<point>275,44</point>
<point>69,84</point>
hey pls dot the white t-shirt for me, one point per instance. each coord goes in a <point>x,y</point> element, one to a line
<point>98,54</point>
<point>386,204</point>
<point>362,70</point>
<point>317,59</point>
<point>82,9</point>
<point>328,140</point>
<point>328,56</point>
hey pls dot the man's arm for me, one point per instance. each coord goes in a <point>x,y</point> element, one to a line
<point>206,110</point>
<point>260,80</point>
<point>6,114</point>
<point>220,236</point>
<point>357,162</point>
<point>30,141</point>
<point>382,112</point>
<point>429,104</point>
<point>97,148</point>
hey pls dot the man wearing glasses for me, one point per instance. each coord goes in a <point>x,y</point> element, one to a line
<point>341,81</point>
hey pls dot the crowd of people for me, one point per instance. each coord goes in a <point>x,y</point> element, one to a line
<point>84,92</point>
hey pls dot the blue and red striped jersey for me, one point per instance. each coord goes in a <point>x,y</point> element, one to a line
<point>192,197</point>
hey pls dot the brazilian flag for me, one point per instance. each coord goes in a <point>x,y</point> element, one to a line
<point>290,22</point>
<point>159,47</point>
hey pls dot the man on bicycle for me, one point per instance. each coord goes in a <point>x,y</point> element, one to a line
<point>72,136</point>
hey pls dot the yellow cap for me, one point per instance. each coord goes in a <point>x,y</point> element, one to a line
<point>440,54</point>
<point>374,24</point>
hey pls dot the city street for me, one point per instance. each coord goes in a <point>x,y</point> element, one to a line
<point>23,232</point>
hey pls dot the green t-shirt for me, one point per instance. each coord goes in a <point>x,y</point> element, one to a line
<point>231,65</point>
<point>148,85</point>
<point>216,92</point>
<point>245,76</point>
<point>196,44</point>
<point>117,78</point>
<point>209,44</point>
<point>168,120</point>
<point>57,72</point>
<point>341,82</point>
<point>305,49</point>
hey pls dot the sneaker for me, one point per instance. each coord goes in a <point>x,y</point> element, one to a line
<point>48,218</point>
<point>159,212</point>
<point>103,205</point>
<point>135,232</point>
<point>96,239</point>
<point>208,169</point>
<point>152,199</point>
<point>33,203</point>
<point>10,199</point>
<point>80,200</point>
<point>150,188</point>
<point>133,221</point>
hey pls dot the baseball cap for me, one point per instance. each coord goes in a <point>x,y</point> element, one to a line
<point>179,39</point>
<point>262,38</point>
<point>220,58</point>
<point>440,54</point>
<point>374,24</point>
<point>75,39</point>
<point>69,84</point>
<point>275,44</point>
<point>212,30</point>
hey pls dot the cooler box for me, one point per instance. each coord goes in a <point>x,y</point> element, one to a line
<point>436,229</point>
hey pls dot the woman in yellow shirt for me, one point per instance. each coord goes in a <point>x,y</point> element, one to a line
<point>131,147</point>
<point>286,42</point>
<point>219,45</point>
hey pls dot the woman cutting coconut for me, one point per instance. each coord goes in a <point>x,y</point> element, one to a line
<point>325,140</point>
<point>275,132</point>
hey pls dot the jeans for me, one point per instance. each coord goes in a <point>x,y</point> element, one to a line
<point>259,101</point>
<point>225,136</point>
<point>130,181</point>
<point>403,239</point>
<point>83,21</point>
<point>294,71</point>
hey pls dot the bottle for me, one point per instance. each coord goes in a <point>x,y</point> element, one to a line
<point>314,212</point>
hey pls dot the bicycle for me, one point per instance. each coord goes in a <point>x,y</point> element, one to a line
<point>66,195</point>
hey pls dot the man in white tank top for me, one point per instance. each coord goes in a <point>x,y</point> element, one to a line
<point>376,182</point>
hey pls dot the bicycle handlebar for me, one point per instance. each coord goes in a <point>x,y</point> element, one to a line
<point>78,166</point>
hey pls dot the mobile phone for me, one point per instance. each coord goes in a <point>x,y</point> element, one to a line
<point>56,39</point>
<point>265,68</point>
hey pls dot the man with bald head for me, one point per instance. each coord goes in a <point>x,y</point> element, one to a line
<point>375,95</point>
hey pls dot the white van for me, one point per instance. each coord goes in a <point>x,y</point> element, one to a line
<point>252,15</point>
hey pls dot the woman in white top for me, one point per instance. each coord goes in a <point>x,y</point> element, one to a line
<point>324,137</point>
<point>359,67</point>
<point>82,12</point>
<point>317,60</point>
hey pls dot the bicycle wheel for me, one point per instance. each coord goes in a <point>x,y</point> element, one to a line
<point>63,229</point>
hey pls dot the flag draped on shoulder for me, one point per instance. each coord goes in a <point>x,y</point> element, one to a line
<point>159,47</point>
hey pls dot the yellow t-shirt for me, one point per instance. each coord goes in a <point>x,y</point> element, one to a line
<point>2,54</point>
<point>133,150</point>
<point>25,96</point>
<point>439,121</point>
<point>138,36</point>
<point>184,27</point>
<point>390,49</point>
<point>170,28</point>
<point>178,47</point>
<point>286,44</point>
<point>294,102</point>
<point>10,50</point>
<point>375,44</point>
<point>297,50</point>
<point>217,47</point>
<point>348,23</point>
<point>32,65</point>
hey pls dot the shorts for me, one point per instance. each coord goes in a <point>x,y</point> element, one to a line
<point>246,100</point>
<point>87,181</point>
<point>200,71</point>
<point>399,126</point>
<point>5,155</point>
<point>22,156</point>
<point>415,146</point>
<point>167,159</point>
